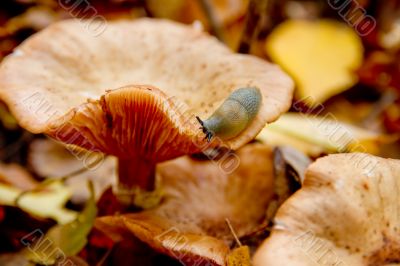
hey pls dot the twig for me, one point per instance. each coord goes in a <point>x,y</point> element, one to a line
<point>260,19</point>
<point>216,28</point>
<point>252,18</point>
<point>104,258</point>
<point>233,232</point>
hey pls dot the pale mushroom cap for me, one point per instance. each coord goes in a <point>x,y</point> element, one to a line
<point>52,160</point>
<point>198,197</point>
<point>346,213</point>
<point>59,68</point>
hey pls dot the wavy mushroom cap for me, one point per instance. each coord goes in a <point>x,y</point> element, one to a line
<point>199,195</point>
<point>48,80</point>
<point>128,122</point>
<point>346,213</point>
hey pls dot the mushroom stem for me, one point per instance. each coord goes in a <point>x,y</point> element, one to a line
<point>134,173</point>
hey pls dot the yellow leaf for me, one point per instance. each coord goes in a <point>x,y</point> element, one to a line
<point>317,134</point>
<point>169,9</point>
<point>239,257</point>
<point>320,55</point>
<point>62,241</point>
<point>46,203</point>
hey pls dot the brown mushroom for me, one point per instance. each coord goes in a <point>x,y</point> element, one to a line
<point>79,89</point>
<point>346,213</point>
<point>189,224</point>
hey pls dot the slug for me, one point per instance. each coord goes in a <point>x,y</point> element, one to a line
<point>234,115</point>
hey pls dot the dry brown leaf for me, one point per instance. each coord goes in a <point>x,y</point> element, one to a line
<point>225,11</point>
<point>36,18</point>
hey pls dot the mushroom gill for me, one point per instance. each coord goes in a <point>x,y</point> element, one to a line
<point>137,124</point>
<point>346,213</point>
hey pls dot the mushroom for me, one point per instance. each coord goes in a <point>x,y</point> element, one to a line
<point>52,160</point>
<point>89,91</point>
<point>190,223</point>
<point>346,213</point>
<point>16,175</point>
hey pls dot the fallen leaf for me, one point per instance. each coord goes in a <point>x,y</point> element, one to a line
<point>36,18</point>
<point>295,159</point>
<point>226,12</point>
<point>380,69</point>
<point>6,118</point>
<point>16,224</point>
<point>171,9</point>
<point>289,169</point>
<point>45,200</point>
<point>239,257</point>
<point>53,160</point>
<point>13,259</point>
<point>48,202</point>
<point>320,55</point>
<point>63,240</point>
<point>316,134</point>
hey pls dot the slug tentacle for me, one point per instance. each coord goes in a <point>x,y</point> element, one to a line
<point>208,133</point>
<point>234,115</point>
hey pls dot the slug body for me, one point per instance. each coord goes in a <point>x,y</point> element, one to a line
<point>234,115</point>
